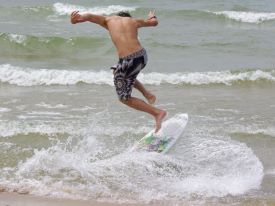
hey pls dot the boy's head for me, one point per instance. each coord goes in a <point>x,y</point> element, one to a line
<point>124,14</point>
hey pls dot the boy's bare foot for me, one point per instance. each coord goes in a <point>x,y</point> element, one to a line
<point>151,98</point>
<point>159,119</point>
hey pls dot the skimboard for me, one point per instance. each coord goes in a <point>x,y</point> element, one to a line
<point>165,138</point>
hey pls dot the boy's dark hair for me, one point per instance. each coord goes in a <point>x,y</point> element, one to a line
<point>124,14</point>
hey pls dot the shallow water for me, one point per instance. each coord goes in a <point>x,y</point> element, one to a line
<point>64,134</point>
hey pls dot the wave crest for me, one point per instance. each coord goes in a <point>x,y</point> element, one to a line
<point>247,17</point>
<point>65,9</point>
<point>30,77</point>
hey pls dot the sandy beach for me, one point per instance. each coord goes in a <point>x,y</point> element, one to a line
<point>13,199</point>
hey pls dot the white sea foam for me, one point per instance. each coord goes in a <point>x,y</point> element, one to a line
<point>49,106</point>
<point>12,128</point>
<point>30,77</point>
<point>83,109</point>
<point>203,78</point>
<point>228,110</point>
<point>65,9</point>
<point>247,17</point>
<point>254,130</point>
<point>267,131</point>
<point>19,39</point>
<point>44,113</point>
<point>211,168</point>
<point>86,167</point>
<point>4,109</point>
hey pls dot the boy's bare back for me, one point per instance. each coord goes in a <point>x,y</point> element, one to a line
<point>124,34</point>
<point>123,30</point>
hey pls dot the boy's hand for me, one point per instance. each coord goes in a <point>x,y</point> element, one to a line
<point>76,17</point>
<point>151,15</point>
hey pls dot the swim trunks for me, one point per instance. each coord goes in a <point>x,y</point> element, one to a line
<point>126,71</point>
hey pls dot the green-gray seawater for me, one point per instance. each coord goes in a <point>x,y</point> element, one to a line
<point>64,134</point>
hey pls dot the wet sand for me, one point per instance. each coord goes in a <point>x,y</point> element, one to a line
<point>13,199</point>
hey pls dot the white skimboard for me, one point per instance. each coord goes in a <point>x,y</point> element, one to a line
<point>165,138</point>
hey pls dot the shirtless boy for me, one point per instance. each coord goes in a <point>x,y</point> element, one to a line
<point>123,30</point>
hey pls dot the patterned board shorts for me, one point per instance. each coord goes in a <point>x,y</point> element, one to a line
<point>126,71</point>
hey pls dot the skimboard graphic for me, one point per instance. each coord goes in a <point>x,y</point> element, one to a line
<point>161,142</point>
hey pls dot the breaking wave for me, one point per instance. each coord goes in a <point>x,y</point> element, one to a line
<point>59,10</point>
<point>30,77</point>
<point>240,16</point>
<point>86,166</point>
<point>66,9</point>
<point>247,17</point>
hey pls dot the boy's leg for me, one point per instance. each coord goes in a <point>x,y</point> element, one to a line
<point>138,104</point>
<point>148,95</point>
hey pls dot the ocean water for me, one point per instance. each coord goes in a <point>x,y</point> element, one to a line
<point>63,133</point>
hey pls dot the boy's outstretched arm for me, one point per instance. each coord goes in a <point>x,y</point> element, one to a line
<point>150,21</point>
<point>79,18</point>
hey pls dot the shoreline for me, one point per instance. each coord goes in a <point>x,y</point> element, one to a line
<point>15,199</point>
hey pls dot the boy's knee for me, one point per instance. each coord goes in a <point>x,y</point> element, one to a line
<point>124,100</point>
